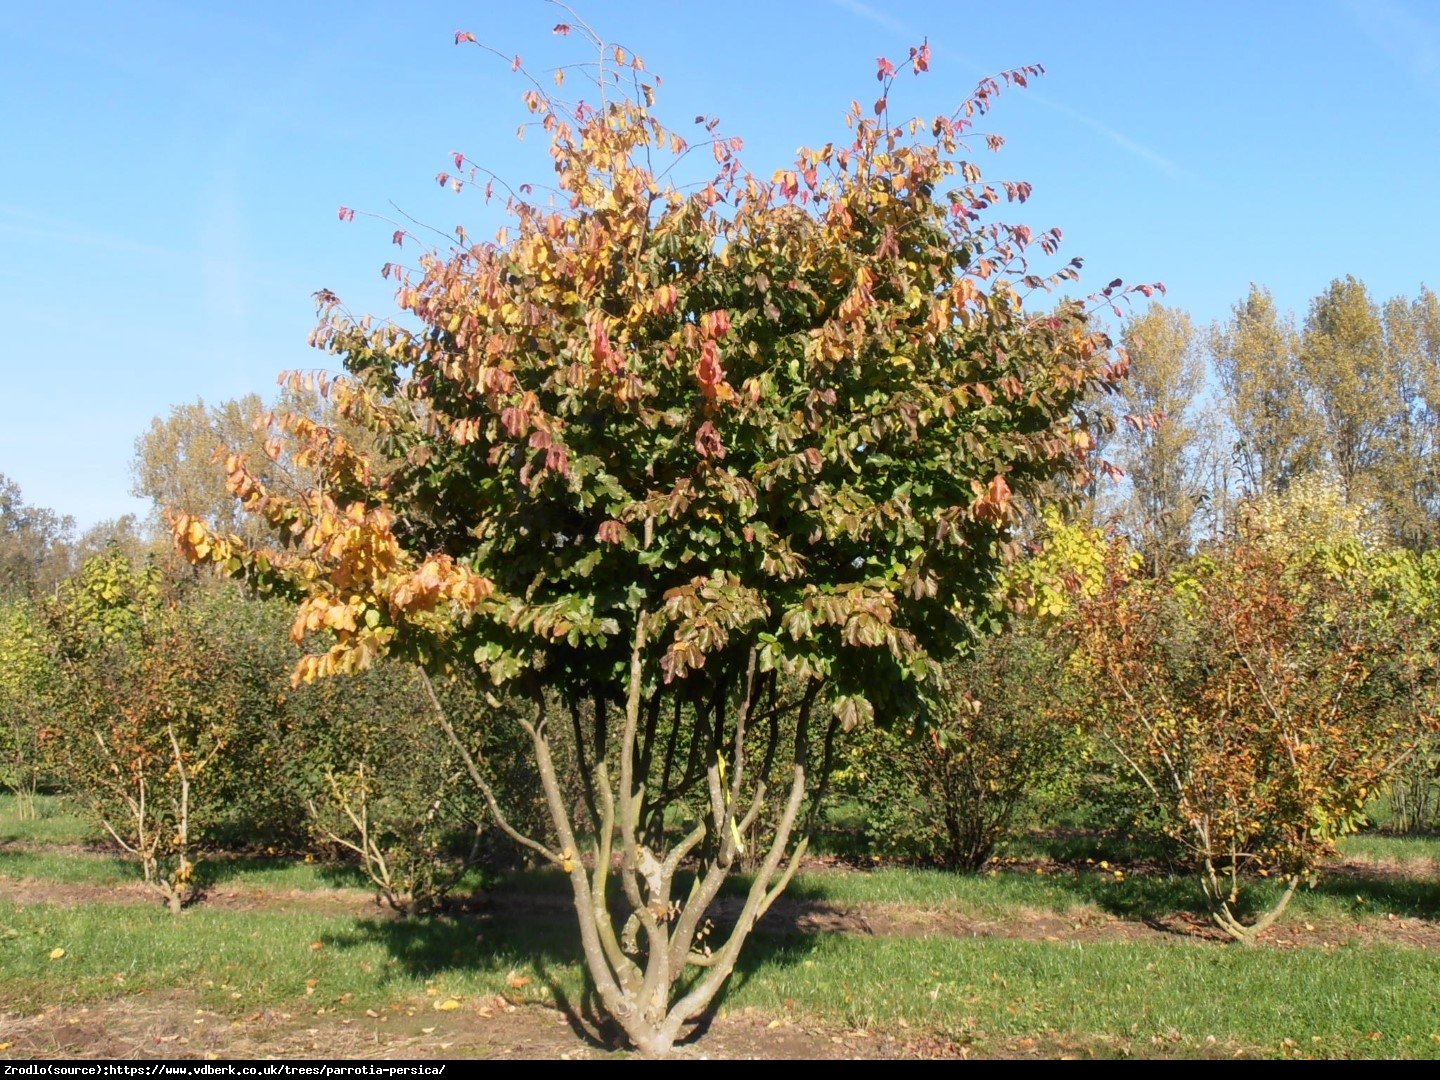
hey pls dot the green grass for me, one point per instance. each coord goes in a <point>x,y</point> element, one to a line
<point>99,868</point>
<point>56,823</point>
<point>1135,896</point>
<point>69,868</point>
<point>239,960</point>
<point>1149,997</point>
<point>1107,998</point>
<point>1398,849</point>
<point>1111,997</point>
<point>1002,892</point>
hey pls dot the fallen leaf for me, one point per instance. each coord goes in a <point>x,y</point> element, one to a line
<point>516,982</point>
<point>448,1005</point>
<point>57,953</point>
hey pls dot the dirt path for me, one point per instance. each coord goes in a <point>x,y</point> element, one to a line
<point>171,1026</point>
<point>790,916</point>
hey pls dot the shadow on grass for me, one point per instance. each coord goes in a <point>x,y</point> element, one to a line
<point>1150,897</point>
<point>1363,893</point>
<point>220,869</point>
<point>545,938</point>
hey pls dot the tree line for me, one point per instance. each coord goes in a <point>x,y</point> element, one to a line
<point>1260,400</point>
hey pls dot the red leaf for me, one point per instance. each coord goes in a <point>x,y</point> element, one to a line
<point>515,64</point>
<point>709,371</point>
<point>884,68</point>
<point>708,443</point>
<point>398,238</point>
<point>561,28</point>
<point>346,214</point>
<point>464,35</point>
<point>459,159</point>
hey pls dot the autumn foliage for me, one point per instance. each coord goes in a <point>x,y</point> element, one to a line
<point>149,706</point>
<point>1261,693</point>
<point>689,467</point>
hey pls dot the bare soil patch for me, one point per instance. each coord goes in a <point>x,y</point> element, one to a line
<point>156,1026</point>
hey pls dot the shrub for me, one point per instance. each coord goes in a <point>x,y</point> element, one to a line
<point>999,749</point>
<point>1261,694</point>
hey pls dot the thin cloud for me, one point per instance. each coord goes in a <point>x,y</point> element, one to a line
<point>1144,153</point>
<point>1156,160</point>
<point>879,18</point>
<point>59,231</point>
<point>1411,41</point>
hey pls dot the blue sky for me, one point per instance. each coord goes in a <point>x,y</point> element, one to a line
<point>172,170</point>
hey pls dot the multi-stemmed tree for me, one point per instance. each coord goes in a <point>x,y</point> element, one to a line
<point>706,475</point>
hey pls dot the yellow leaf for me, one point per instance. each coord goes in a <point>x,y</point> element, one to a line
<point>448,1005</point>
<point>56,954</point>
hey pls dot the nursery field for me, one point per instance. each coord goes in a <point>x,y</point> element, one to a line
<point>482,691</point>
<point>1058,951</point>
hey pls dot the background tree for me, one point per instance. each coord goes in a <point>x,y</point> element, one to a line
<point>29,685</point>
<point>394,792</point>
<point>1353,384</point>
<point>998,750</point>
<point>175,460</point>
<point>1272,423</point>
<point>34,544</point>
<point>1160,437</point>
<point>744,455</point>
<point>1409,476</point>
<point>174,463</point>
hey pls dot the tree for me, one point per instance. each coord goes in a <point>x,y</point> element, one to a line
<point>175,468</point>
<point>1409,481</point>
<point>173,464</point>
<point>34,544</point>
<point>150,703</point>
<point>28,689</point>
<point>1273,423</point>
<point>1262,692</point>
<point>706,472</point>
<point>1159,439</point>
<point>1345,365</point>
<point>393,792</point>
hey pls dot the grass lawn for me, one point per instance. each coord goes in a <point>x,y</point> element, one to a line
<point>299,939</point>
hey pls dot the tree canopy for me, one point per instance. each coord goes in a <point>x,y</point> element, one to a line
<point>749,448</point>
